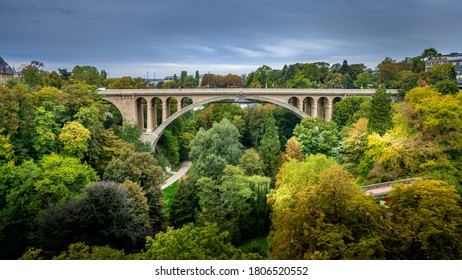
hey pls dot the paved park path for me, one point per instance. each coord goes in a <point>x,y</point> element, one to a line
<point>185,165</point>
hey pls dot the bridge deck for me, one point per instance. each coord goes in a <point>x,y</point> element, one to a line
<point>240,91</point>
<point>382,189</point>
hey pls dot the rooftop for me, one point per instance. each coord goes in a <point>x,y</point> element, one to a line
<point>5,68</point>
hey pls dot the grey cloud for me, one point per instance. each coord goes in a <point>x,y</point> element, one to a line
<point>174,34</point>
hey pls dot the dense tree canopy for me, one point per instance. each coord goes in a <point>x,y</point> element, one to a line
<point>344,112</point>
<point>328,218</point>
<point>194,243</point>
<point>58,138</point>
<point>213,149</point>
<point>102,216</point>
<point>237,204</point>
<point>317,136</point>
<point>427,217</point>
<point>380,113</point>
<point>424,141</point>
<point>270,147</point>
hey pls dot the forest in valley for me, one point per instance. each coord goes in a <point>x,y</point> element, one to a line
<point>76,182</point>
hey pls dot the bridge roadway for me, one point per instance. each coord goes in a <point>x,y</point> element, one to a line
<point>382,189</point>
<point>141,106</point>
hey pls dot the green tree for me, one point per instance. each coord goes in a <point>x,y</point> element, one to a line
<point>345,68</point>
<point>193,243</point>
<point>270,147</point>
<point>91,118</point>
<point>74,138</point>
<point>184,140</point>
<point>46,132</point>
<point>104,215</point>
<point>30,188</point>
<point>427,217</point>
<point>64,74</point>
<point>171,146</point>
<point>6,149</point>
<point>443,77</point>
<point>357,69</point>
<point>407,80</point>
<point>425,139</point>
<point>363,80</point>
<point>311,72</point>
<point>213,149</point>
<point>216,113</point>
<point>53,79</point>
<point>9,113</point>
<point>88,74</point>
<point>330,219</point>
<point>125,82</point>
<point>354,145</point>
<point>185,202</point>
<point>81,251</point>
<point>262,77</point>
<point>335,80</point>
<point>255,118</point>
<point>344,111</point>
<point>62,172</point>
<point>104,146</point>
<point>237,204</point>
<point>388,69</point>
<point>138,198</point>
<point>17,119</point>
<point>33,73</point>
<point>131,133</point>
<point>80,95</point>
<point>286,120</point>
<point>299,81</point>
<point>141,168</point>
<point>317,136</point>
<point>251,163</point>
<point>381,112</point>
<point>293,176</point>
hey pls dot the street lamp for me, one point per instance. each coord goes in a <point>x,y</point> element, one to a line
<point>147,79</point>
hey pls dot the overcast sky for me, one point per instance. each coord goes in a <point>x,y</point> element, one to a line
<point>132,37</point>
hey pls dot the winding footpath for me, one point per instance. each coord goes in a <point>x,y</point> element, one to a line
<point>185,165</point>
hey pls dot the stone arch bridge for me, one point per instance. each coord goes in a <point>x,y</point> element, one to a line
<point>154,109</point>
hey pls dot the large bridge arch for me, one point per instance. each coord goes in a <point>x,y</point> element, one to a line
<point>303,102</point>
<point>155,135</point>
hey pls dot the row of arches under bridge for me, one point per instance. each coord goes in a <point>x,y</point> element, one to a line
<point>154,111</point>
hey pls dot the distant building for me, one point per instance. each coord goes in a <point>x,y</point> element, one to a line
<point>20,69</point>
<point>452,58</point>
<point>6,72</point>
<point>169,79</point>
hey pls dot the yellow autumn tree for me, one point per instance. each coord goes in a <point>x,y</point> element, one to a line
<point>74,138</point>
<point>293,150</point>
<point>427,221</point>
<point>329,219</point>
<point>426,139</point>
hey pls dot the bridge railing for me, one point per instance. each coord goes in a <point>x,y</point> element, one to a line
<point>387,184</point>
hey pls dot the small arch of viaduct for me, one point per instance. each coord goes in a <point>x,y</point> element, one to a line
<point>154,109</point>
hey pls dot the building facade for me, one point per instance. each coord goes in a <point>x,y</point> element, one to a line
<point>452,58</point>
<point>6,72</point>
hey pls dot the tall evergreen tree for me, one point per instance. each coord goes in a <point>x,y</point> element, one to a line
<point>380,114</point>
<point>270,147</point>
